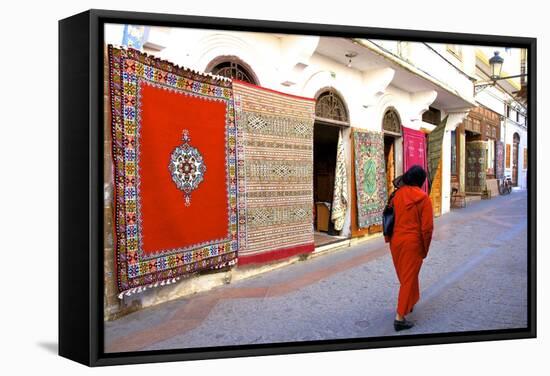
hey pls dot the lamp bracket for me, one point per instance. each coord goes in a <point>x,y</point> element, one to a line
<point>482,85</point>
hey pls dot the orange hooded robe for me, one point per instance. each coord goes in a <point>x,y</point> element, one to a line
<point>410,242</point>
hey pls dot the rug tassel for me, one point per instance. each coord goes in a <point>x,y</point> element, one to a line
<point>141,289</point>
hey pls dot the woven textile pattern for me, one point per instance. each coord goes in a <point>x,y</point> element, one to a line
<point>275,173</point>
<point>175,181</point>
<point>370,176</point>
<point>340,196</point>
<point>476,165</point>
<point>499,159</point>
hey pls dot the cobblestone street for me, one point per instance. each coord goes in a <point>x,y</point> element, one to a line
<point>474,278</point>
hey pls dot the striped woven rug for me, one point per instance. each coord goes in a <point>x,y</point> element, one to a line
<point>275,173</point>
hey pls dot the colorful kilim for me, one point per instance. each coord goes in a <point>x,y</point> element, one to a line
<point>275,172</point>
<point>370,176</point>
<point>340,196</point>
<point>476,166</point>
<point>175,180</point>
<point>435,145</point>
<point>414,151</point>
<point>499,159</point>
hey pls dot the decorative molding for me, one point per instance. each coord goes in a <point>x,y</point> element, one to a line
<point>375,83</point>
<point>215,45</point>
<point>420,103</point>
<point>296,51</point>
<point>456,118</point>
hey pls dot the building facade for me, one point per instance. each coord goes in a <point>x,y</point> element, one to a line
<point>417,99</point>
<point>508,101</point>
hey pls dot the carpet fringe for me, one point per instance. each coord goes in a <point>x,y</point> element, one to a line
<point>166,282</point>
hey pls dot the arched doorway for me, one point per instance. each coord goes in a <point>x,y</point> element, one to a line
<point>331,118</point>
<point>515,157</point>
<point>232,67</point>
<point>391,126</point>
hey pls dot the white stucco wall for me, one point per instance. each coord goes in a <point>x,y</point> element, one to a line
<point>291,64</point>
<point>497,100</point>
<point>511,128</point>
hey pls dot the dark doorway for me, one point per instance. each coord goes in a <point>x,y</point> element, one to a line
<point>325,143</point>
<point>515,158</point>
<point>389,158</point>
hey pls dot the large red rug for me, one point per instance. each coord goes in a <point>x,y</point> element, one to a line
<point>175,176</point>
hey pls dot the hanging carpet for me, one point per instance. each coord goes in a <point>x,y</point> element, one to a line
<point>476,166</point>
<point>174,160</point>
<point>414,151</point>
<point>435,144</point>
<point>275,173</point>
<point>499,159</point>
<point>340,195</point>
<point>370,176</point>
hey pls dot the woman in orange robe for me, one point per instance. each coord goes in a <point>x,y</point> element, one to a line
<point>410,241</point>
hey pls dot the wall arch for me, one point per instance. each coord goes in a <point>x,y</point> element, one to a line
<point>321,81</point>
<point>391,122</point>
<point>345,117</point>
<point>385,102</point>
<point>216,47</point>
<point>243,65</point>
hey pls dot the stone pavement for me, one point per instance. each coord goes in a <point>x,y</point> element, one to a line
<point>475,278</point>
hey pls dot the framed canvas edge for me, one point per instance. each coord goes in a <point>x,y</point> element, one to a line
<point>95,204</point>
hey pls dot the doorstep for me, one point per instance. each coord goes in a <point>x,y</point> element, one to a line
<point>472,196</point>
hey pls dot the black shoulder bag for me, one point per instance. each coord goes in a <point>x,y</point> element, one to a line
<point>388,216</point>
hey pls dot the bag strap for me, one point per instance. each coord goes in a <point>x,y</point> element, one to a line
<point>391,197</point>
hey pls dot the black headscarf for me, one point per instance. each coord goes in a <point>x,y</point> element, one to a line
<point>415,176</point>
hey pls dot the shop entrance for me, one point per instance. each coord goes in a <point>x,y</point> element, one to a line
<point>325,142</point>
<point>393,146</point>
<point>515,157</point>
<point>389,159</point>
<point>331,116</point>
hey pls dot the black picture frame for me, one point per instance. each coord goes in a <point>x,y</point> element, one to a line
<point>81,194</point>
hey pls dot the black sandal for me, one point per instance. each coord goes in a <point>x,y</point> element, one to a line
<point>402,325</point>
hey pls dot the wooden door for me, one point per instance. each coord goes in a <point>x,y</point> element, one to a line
<point>414,151</point>
<point>515,164</point>
<point>389,157</point>
<point>435,192</point>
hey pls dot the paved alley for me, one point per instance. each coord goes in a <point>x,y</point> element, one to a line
<point>474,278</point>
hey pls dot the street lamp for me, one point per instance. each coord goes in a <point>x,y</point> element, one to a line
<point>496,66</point>
<point>496,69</point>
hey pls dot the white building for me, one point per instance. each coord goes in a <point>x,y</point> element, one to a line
<point>503,99</point>
<point>370,79</point>
<point>385,86</point>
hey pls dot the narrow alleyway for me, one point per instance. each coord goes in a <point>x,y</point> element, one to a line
<point>474,278</point>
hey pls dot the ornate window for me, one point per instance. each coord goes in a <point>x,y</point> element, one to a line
<point>391,123</point>
<point>234,69</point>
<point>331,107</point>
<point>516,138</point>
